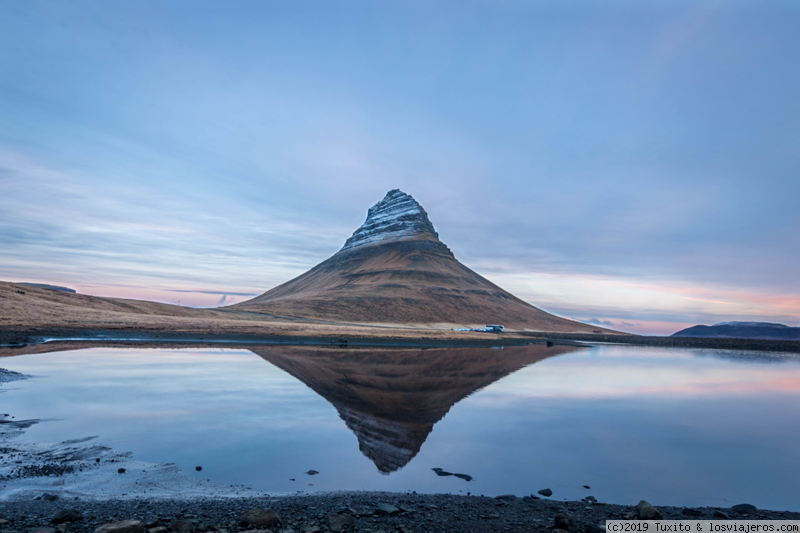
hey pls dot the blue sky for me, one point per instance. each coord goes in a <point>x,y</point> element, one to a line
<point>635,164</point>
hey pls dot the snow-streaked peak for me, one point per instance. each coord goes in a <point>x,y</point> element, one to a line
<point>397,217</point>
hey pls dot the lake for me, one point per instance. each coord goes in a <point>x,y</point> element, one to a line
<point>672,426</point>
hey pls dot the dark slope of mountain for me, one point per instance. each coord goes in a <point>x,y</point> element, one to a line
<point>742,330</point>
<point>392,398</point>
<point>394,269</point>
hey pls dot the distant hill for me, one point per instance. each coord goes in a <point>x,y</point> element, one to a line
<point>742,330</point>
<point>48,286</point>
<point>395,270</point>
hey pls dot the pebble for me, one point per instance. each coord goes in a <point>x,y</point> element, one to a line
<point>337,521</point>
<point>181,526</point>
<point>567,522</point>
<point>260,518</point>
<point>745,508</point>
<point>647,512</point>
<point>546,492</point>
<point>67,515</point>
<point>124,526</point>
<point>386,509</point>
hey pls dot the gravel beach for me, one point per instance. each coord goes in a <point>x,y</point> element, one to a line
<point>345,511</point>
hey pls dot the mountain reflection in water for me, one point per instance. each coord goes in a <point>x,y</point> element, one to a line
<point>391,398</point>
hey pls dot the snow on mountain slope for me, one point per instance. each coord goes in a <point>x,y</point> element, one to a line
<point>398,216</point>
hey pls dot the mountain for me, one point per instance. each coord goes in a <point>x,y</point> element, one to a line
<point>48,286</point>
<point>395,270</point>
<point>392,398</point>
<point>743,330</point>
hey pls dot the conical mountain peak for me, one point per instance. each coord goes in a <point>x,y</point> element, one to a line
<point>394,269</point>
<point>397,217</point>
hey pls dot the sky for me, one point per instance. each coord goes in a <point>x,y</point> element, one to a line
<point>629,164</point>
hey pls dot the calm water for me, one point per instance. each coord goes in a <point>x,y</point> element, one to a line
<point>682,427</point>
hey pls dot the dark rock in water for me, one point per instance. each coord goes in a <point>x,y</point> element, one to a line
<point>546,492</point>
<point>587,487</point>
<point>259,518</point>
<point>181,526</point>
<point>691,512</point>
<point>441,472</point>
<point>744,508</point>
<point>198,468</point>
<point>337,521</point>
<point>120,470</point>
<point>384,509</point>
<point>566,522</point>
<point>647,512</point>
<point>67,515</point>
<point>720,514</point>
<point>312,472</point>
<point>125,526</point>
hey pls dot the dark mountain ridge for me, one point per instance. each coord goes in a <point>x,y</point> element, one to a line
<point>742,330</point>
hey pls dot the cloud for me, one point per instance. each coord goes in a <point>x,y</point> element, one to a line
<point>230,293</point>
<point>596,321</point>
<point>239,167</point>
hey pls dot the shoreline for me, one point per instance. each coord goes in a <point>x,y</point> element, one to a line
<point>760,345</point>
<point>17,339</point>
<point>354,511</point>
